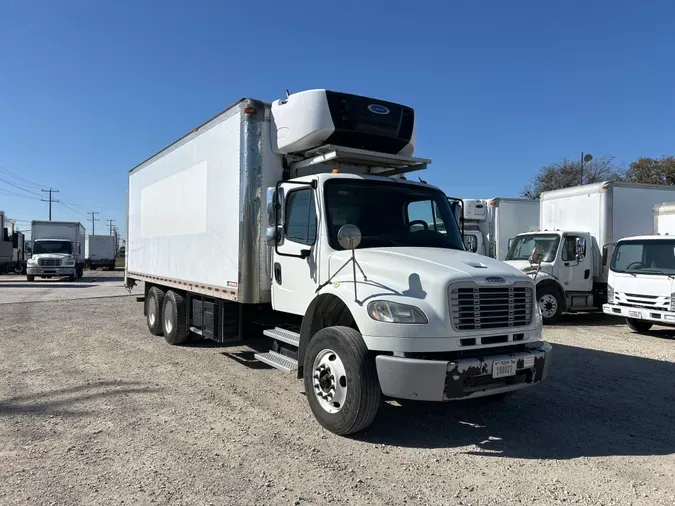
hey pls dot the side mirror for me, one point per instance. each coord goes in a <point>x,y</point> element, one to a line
<point>275,225</point>
<point>537,255</point>
<point>580,248</point>
<point>79,248</point>
<point>511,242</point>
<point>349,236</point>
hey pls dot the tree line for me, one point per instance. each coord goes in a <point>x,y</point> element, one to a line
<point>566,173</point>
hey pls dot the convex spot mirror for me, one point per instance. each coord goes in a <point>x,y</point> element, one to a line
<point>349,236</point>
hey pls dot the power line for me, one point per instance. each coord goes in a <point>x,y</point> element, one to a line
<point>20,178</point>
<point>50,191</point>
<point>16,194</point>
<point>93,221</point>
<point>19,187</point>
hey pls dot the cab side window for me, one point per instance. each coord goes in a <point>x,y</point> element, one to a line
<point>569,252</point>
<point>300,223</point>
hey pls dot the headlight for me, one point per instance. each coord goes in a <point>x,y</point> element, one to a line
<point>393,312</point>
<point>69,261</point>
<point>610,294</point>
<point>31,261</point>
<point>672,301</point>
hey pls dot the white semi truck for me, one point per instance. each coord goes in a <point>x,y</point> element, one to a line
<point>57,250</point>
<point>641,281</point>
<point>100,251</point>
<point>490,224</point>
<point>290,220</point>
<point>578,229</point>
<point>12,247</point>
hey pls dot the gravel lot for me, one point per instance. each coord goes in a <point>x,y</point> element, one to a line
<point>95,410</point>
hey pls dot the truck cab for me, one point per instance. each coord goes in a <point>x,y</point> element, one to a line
<point>56,251</point>
<point>564,271</point>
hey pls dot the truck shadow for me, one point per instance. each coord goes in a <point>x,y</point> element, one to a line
<point>71,401</point>
<point>594,403</point>
<point>46,284</point>
<point>589,320</point>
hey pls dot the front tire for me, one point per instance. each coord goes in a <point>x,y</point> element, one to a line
<point>30,278</point>
<point>174,319</point>
<point>550,303</point>
<point>341,381</point>
<point>639,326</point>
<point>79,271</point>
<point>153,310</point>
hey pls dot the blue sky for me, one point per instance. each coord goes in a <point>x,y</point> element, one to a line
<point>88,89</point>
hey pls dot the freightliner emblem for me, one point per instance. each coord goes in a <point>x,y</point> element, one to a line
<point>495,279</point>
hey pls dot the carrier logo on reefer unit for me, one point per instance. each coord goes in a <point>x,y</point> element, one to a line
<point>378,109</point>
<point>495,279</point>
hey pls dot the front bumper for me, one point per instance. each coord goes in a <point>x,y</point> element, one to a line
<point>442,380</point>
<point>35,270</point>
<point>640,313</point>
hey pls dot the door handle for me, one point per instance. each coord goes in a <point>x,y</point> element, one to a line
<point>277,272</point>
<point>587,273</point>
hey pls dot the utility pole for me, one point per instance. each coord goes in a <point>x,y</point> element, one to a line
<point>93,220</point>
<point>110,225</point>
<point>50,191</point>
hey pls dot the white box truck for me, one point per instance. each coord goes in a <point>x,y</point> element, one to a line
<point>57,250</point>
<point>290,220</point>
<point>577,232</point>
<point>12,247</point>
<point>490,224</point>
<point>100,251</point>
<point>641,280</point>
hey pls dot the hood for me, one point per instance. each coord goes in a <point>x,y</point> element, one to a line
<point>51,255</point>
<point>404,267</point>
<point>521,265</point>
<point>642,284</point>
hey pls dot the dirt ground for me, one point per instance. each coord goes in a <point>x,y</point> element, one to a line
<point>95,410</point>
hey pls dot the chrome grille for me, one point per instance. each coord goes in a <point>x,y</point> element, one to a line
<point>473,307</point>
<point>49,262</point>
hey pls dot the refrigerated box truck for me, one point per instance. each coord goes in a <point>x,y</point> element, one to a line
<point>641,280</point>
<point>57,250</point>
<point>491,224</point>
<point>577,232</point>
<point>290,219</point>
<point>100,251</point>
<point>12,252</point>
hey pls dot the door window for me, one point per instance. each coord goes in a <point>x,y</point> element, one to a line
<point>471,243</point>
<point>569,252</point>
<point>300,223</point>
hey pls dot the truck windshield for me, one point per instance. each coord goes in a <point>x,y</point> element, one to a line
<point>391,214</point>
<point>645,256</point>
<point>62,247</point>
<point>522,246</point>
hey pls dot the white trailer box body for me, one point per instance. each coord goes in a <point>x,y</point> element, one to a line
<point>100,250</point>
<point>664,218</point>
<point>607,211</point>
<point>194,200</point>
<point>508,218</point>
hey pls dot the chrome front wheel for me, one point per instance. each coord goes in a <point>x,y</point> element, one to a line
<point>329,379</point>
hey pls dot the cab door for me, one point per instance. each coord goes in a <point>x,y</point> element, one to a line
<point>295,253</point>
<point>576,266</point>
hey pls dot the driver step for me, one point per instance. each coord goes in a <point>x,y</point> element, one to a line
<point>283,335</point>
<point>278,361</point>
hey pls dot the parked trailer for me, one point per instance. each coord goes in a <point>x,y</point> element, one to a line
<point>100,251</point>
<point>578,229</point>
<point>491,224</point>
<point>12,254</point>
<point>290,220</point>
<point>641,281</point>
<point>57,250</point>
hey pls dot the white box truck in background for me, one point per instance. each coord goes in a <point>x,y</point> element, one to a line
<point>289,220</point>
<point>578,229</point>
<point>641,281</point>
<point>57,250</point>
<point>100,251</point>
<point>489,224</point>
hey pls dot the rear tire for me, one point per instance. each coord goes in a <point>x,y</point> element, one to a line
<point>30,278</point>
<point>153,310</point>
<point>639,326</point>
<point>174,319</point>
<point>79,271</point>
<point>341,381</point>
<point>550,303</point>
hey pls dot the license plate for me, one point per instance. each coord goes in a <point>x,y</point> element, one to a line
<point>503,368</point>
<point>635,314</point>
